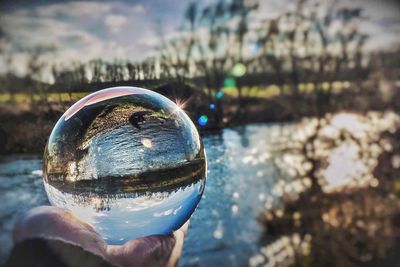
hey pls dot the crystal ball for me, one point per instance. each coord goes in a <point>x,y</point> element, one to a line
<point>128,161</point>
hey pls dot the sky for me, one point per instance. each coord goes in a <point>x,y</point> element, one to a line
<point>121,29</point>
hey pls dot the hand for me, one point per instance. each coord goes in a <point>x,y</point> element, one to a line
<point>63,233</point>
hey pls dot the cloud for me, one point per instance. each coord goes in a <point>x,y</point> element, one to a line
<point>80,31</point>
<point>115,22</point>
<point>138,9</point>
<point>74,9</point>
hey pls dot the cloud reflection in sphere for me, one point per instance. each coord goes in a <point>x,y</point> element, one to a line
<point>128,161</point>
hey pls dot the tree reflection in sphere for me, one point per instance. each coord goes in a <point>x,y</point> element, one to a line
<point>128,161</point>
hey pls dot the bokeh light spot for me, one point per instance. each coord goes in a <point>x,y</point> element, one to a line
<point>203,120</point>
<point>229,83</point>
<point>239,70</point>
<point>254,47</point>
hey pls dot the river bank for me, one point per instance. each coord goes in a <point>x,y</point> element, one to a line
<point>25,128</point>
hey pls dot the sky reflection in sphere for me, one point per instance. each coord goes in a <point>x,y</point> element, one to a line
<point>126,160</point>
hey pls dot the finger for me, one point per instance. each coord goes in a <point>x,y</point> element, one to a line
<point>185,227</point>
<point>177,250</point>
<point>55,223</point>
<point>154,250</point>
<point>146,251</point>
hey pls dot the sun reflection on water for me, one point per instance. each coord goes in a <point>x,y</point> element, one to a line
<point>337,182</point>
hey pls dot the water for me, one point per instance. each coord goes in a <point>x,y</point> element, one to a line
<point>21,188</point>
<point>128,161</point>
<point>223,229</point>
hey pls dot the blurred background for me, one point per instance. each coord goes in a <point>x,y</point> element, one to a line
<point>298,103</point>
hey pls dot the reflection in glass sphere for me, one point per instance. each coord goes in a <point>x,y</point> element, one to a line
<point>126,160</point>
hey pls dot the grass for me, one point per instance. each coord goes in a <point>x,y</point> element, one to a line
<point>274,90</point>
<point>247,91</point>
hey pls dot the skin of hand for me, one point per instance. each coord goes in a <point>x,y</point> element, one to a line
<point>56,224</point>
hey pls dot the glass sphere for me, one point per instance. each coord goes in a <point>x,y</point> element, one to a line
<point>128,161</point>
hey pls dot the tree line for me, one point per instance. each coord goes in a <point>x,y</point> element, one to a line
<point>231,44</point>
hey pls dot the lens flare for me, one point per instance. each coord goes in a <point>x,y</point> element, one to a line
<point>180,104</point>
